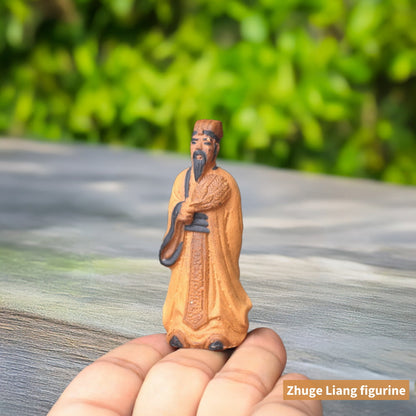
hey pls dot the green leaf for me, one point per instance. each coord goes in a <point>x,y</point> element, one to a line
<point>403,65</point>
<point>24,106</point>
<point>121,8</point>
<point>14,32</point>
<point>85,55</point>
<point>19,8</point>
<point>274,121</point>
<point>356,68</point>
<point>282,85</point>
<point>312,133</point>
<point>254,28</point>
<point>363,21</point>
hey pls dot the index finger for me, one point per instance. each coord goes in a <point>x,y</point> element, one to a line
<point>111,384</point>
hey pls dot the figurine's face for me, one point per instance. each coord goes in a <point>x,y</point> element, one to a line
<point>205,143</point>
<point>204,150</point>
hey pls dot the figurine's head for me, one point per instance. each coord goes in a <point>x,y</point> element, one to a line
<point>205,145</point>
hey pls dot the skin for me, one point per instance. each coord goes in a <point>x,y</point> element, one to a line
<point>147,377</point>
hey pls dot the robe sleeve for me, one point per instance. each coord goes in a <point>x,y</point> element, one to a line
<point>172,243</point>
<point>214,193</point>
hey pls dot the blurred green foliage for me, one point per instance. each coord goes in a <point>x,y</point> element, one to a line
<point>317,85</point>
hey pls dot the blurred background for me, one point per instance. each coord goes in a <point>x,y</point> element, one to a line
<point>315,85</point>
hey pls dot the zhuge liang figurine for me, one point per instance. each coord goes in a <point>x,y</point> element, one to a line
<point>206,305</point>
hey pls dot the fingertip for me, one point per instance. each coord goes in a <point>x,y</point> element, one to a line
<point>150,338</point>
<point>264,332</point>
<point>267,339</point>
<point>157,341</point>
<point>294,376</point>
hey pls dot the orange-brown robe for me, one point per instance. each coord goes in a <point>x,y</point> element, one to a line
<point>205,300</point>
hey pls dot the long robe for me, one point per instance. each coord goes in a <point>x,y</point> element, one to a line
<point>205,301</point>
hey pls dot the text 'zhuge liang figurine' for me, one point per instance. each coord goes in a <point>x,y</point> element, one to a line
<point>206,305</point>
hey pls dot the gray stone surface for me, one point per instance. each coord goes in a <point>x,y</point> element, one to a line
<point>329,263</point>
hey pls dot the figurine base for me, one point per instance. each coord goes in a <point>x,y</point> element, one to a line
<point>214,343</point>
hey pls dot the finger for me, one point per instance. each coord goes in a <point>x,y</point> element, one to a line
<point>274,403</point>
<point>174,386</point>
<point>247,377</point>
<point>110,385</point>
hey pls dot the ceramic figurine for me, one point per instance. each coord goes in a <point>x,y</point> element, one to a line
<point>206,305</point>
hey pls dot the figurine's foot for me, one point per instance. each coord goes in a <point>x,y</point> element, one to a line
<point>217,342</point>
<point>175,343</point>
<point>216,346</point>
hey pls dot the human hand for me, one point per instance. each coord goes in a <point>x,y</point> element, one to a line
<point>147,377</point>
<point>186,213</point>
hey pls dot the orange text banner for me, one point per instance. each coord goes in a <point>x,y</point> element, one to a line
<point>346,389</point>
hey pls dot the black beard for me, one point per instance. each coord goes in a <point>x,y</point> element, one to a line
<point>199,164</point>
